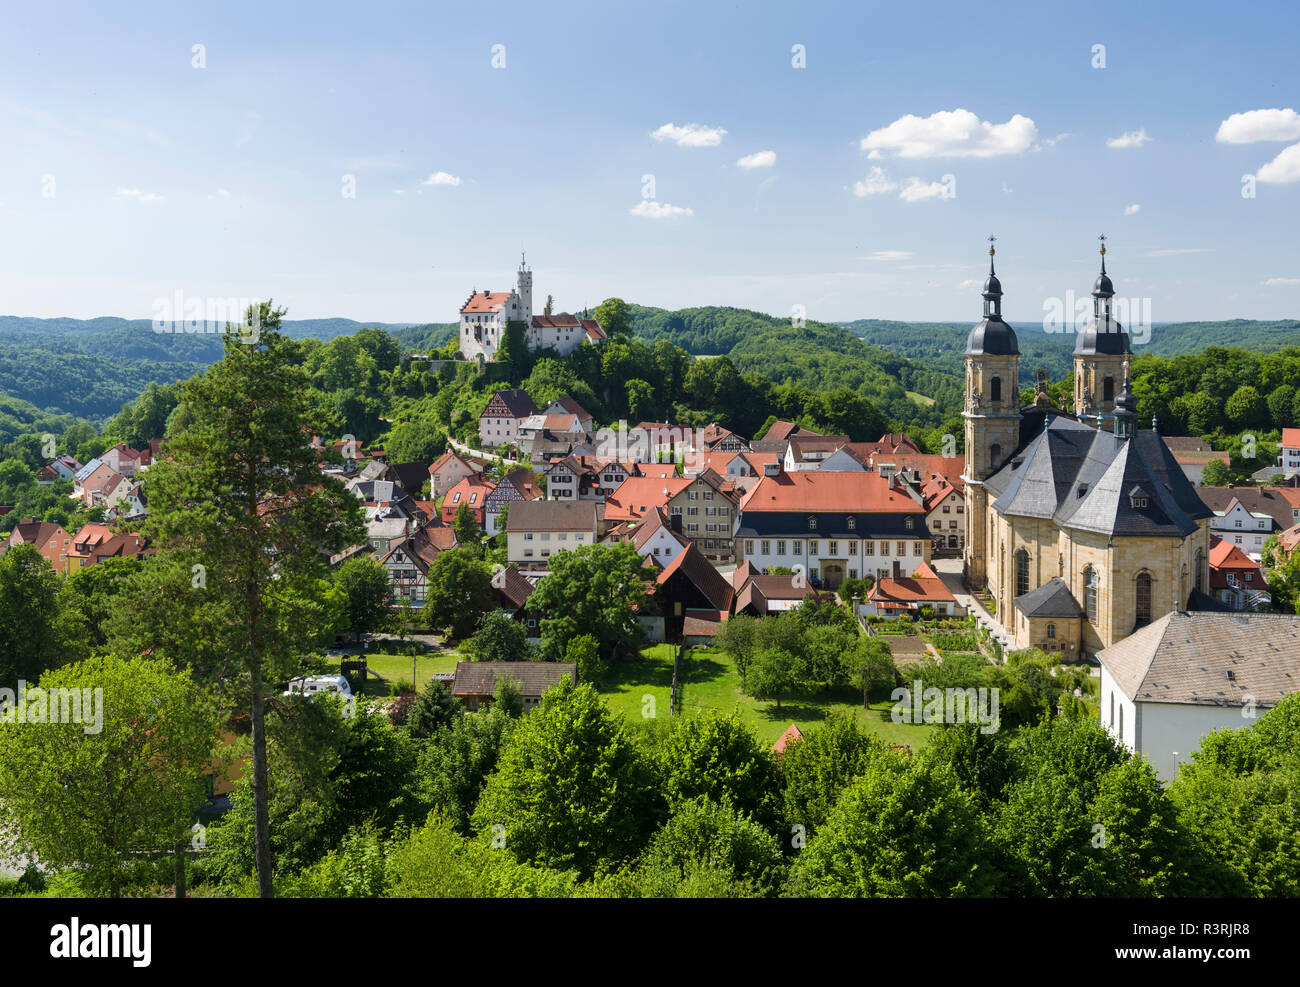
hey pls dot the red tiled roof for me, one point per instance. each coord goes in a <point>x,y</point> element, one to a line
<point>485,301</point>
<point>637,495</point>
<point>823,492</point>
<point>1291,438</point>
<point>792,735</point>
<point>922,586</point>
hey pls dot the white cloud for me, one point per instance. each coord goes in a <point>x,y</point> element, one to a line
<point>650,209</point>
<point>1132,210</point>
<point>950,133</point>
<point>691,135</point>
<point>917,190</point>
<point>1282,169</point>
<point>876,183</point>
<point>1052,141</point>
<point>890,255</point>
<point>1130,138</point>
<point>1281,282</point>
<point>137,194</point>
<point>223,193</point>
<point>759,159</point>
<point>970,283</point>
<point>1259,125</point>
<point>441,178</point>
<point>1006,189</point>
<point>1179,251</point>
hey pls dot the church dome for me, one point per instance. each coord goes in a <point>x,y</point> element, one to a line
<point>1102,285</point>
<point>1104,337</point>
<point>992,337</point>
<point>992,286</point>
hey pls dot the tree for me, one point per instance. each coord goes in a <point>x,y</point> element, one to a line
<point>869,664</point>
<point>640,399</point>
<point>455,763</point>
<point>88,795</point>
<point>584,652</point>
<point>550,301</point>
<point>592,590</point>
<point>509,697</point>
<point>499,638</point>
<point>459,593</point>
<point>818,767</point>
<point>31,639</point>
<point>1216,473</point>
<point>1246,408</point>
<point>899,830</point>
<point>719,758</point>
<point>415,441</point>
<point>572,788</point>
<point>465,525</point>
<point>613,316</point>
<point>240,493</point>
<point>433,709</point>
<point>771,676</point>
<point>366,586</point>
<point>713,835</point>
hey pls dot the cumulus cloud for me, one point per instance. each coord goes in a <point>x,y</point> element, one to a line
<point>1282,169</point>
<point>950,134</point>
<point>441,178</point>
<point>652,209</point>
<point>1281,282</point>
<point>137,195</point>
<point>691,135</point>
<point>1132,210</point>
<point>1259,125</point>
<point>1130,138</point>
<point>759,159</point>
<point>917,190</point>
<point>876,183</point>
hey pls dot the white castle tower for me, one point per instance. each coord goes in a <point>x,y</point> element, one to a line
<point>524,289</point>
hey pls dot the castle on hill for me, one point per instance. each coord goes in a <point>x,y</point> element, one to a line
<point>486,315</point>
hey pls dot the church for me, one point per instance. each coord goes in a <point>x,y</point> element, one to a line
<point>1081,526</point>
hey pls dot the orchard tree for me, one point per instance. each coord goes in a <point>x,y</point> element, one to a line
<point>499,638</point>
<point>592,590</point>
<point>369,593</point>
<point>459,593</point>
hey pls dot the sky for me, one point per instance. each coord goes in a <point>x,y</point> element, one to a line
<point>380,161</point>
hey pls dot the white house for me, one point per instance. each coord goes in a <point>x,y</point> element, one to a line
<point>1246,529</point>
<point>537,529</point>
<point>1289,455</point>
<point>1167,685</point>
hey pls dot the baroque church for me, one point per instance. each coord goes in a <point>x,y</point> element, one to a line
<point>1081,526</point>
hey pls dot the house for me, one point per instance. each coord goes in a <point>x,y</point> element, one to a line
<point>1289,454</point>
<point>516,486</point>
<point>547,435</point>
<point>700,627</point>
<point>563,332</point>
<point>499,423</point>
<point>808,452</point>
<point>715,438</point>
<point>410,477</point>
<point>535,529</point>
<point>447,471</point>
<point>1244,528</point>
<point>1048,618</point>
<point>50,539</point>
<point>409,559</point>
<point>476,681</point>
<point>1193,454</point>
<point>95,483</point>
<point>707,503</point>
<point>59,468</point>
<point>1288,540</point>
<point>1236,580</point>
<point>732,465</point>
<point>792,735</point>
<point>833,526</point>
<point>472,491</point>
<point>658,537</point>
<point>690,583</point>
<point>134,502</point>
<point>124,459</point>
<point>573,478</point>
<point>512,590</point>
<point>945,508</point>
<point>96,542</point>
<point>758,595</point>
<point>906,595</point>
<point>1251,523</point>
<point>781,431</point>
<point>1167,685</point>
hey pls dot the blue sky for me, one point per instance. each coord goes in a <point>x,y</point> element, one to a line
<point>227,180</point>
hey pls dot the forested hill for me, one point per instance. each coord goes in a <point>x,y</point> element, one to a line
<point>939,345</point>
<point>817,355</point>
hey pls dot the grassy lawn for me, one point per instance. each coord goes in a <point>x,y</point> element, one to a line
<point>393,668</point>
<point>712,682</point>
<point>920,399</point>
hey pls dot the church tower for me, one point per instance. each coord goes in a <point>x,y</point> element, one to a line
<point>1101,355</point>
<point>992,417</point>
<point>524,288</point>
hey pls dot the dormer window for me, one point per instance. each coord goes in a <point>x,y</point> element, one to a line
<point>1083,489</point>
<point>812,522</point>
<point>909,523</point>
<point>1139,502</point>
<point>853,523</point>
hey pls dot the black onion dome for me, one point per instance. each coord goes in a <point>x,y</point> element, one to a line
<point>1103,286</point>
<point>992,337</point>
<point>992,286</point>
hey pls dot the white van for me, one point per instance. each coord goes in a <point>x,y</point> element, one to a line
<point>310,685</point>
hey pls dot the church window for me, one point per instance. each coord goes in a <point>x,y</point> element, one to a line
<point>1108,388</point>
<point>995,455</point>
<point>995,388</point>
<point>1143,598</point>
<point>1200,565</point>
<point>1022,572</point>
<point>1090,593</point>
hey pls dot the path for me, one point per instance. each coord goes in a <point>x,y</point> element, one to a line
<point>949,571</point>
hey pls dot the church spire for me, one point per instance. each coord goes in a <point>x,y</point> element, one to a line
<point>992,289</point>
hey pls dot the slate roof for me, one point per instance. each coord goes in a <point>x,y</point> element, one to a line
<point>553,515</point>
<point>1209,659</point>
<point>479,678</point>
<point>516,400</point>
<point>1089,480</point>
<point>1052,599</point>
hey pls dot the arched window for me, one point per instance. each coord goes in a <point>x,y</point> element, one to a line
<point>1090,593</point>
<point>1022,572</point>
<point>1121,722</point>
<point>995,389</point>
<point>1112,709</point>
<point>1108,388</point>
<point>995,455</point>
<point>1200,568</point>
<point>853,523</point>
<point>1143,594</point>
<point>812,522</point>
